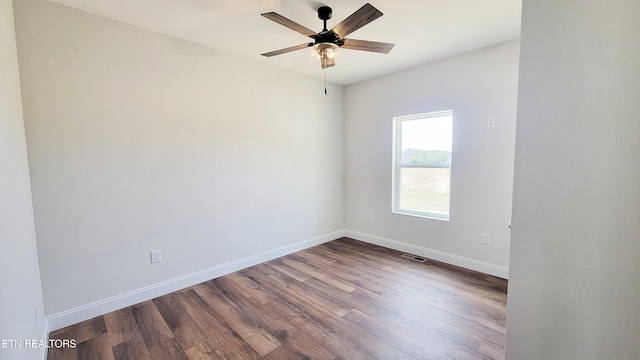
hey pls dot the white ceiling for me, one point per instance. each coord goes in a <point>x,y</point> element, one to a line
<point>423,30</point>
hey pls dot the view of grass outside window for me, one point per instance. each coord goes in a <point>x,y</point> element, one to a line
<point>422,164</point>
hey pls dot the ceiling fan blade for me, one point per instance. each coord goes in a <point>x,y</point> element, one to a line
<point>286,50</point>
<point>327,63</point>
<point>358,19</point>
<point>288,23</point>
<point>364,45</point>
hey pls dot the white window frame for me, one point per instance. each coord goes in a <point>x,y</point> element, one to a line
<point>398,166</point>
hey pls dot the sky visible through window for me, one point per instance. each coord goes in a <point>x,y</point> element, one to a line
<point>433,134</point>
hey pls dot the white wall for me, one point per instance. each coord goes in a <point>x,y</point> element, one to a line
<point>139,141</point>
<point>20,289</point>
<point>574,288</point>
<point>475,86</point>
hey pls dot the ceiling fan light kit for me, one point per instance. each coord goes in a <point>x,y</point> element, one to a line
<point>326,53</point>
<point>327,42</point>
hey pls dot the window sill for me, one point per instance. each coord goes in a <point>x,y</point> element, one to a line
<point>424,215</point>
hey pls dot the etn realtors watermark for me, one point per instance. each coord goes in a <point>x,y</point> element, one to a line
<point>34,343</point>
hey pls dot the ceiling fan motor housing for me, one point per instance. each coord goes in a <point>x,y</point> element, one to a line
<point>324,13</point>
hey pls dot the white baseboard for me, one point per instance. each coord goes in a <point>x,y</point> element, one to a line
<point>45,337</point>
<point>457,260</point>
<point>85,312</point>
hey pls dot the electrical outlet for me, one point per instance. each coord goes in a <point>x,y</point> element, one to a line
<point>491,122</point>
<point>371,218</point>
<point>156,256</point>
<point>486,239</point>
<point>320,218</point>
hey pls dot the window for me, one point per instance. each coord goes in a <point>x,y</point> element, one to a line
<point>422,164</point>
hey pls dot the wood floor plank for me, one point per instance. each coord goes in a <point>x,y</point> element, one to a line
<point>386,316</point>
<point>444,274</point>
<point>168,350</point>
<point>465,287</point>
<point>285,323</point>
<point>133,349</point>
<point>333,281</point>
<point>365,278</point>
<point>242,287</point>
<point>151,324</point>
<point>385,268</point>
<point>121,326</point>
<point>289,271</point>
<point>297,291</point>
<point>217,332</point>
<point>457,322</point>
<point>67,332</point>
<point>309,255</point>
<point>284,353</point>
<point>292,329</point>
<point>89,329</point>
<point>490,320</point>
<point>444,321</point>
<point>347,340</point>
<point>456,346</point>
<point>65,353</point>
<point>202,351</point>
<point>391,336</point>
<point>446,293</point>
<point>187,331</point>
<point>248,329</point>
<point>344,299</point>
<point>96,348</point>
<point>347,273</point>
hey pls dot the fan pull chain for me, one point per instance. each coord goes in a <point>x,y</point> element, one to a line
<point>325,82</point>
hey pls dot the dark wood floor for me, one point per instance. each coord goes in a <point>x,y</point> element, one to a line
<point>341,300</point>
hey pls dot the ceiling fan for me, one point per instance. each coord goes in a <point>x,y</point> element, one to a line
<point>327,42</point>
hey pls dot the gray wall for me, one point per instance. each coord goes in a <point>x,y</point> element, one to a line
<point>140,141</point>
<point>574,288</point>
<point>20,289</point>
<point>474,85</point>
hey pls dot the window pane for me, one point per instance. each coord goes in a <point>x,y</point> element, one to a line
<point>426,141</point>
<point>425,190</point>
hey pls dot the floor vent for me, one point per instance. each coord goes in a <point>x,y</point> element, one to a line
<point>414,257</point>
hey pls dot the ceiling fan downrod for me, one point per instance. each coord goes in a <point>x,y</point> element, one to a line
<point>324,14</point>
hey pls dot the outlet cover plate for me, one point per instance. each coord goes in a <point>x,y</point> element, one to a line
<point>156,256</point>
<point>486,239</point>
